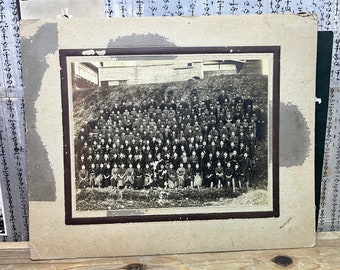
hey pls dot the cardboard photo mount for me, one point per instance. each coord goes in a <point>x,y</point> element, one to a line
<point>293,223</point>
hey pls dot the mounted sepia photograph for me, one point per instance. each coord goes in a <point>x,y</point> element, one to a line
<point>193,132</point>
<point>158,134</point>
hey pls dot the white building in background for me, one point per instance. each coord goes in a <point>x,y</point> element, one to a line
<point>130,72</point>
<point>165,71</point>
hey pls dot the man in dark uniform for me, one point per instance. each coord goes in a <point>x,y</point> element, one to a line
<point>229,172</point>
<point>106,176</point>
<point>189,176</point>
<point>223,98</point>
<point>208,176</point>
<point>139,179</point>
<point>83,177</point>
<point>219,176</point>
<point>261,124</point>
<point>245,166</point>
<point>114,175</point>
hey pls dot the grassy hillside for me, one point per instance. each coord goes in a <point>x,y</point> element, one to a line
<point>87,102</point>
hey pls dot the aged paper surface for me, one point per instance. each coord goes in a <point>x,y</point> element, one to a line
<point>51,238</point>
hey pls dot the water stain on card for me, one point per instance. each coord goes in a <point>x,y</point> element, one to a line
<point>36,48</point>
<point>294,136</point>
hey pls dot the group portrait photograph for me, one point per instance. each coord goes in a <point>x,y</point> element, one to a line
<point>170,131</point>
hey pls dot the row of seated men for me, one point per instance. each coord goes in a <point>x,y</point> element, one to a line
<point>229,173</point>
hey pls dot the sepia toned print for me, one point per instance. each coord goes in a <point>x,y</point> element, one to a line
<point>170,134</point>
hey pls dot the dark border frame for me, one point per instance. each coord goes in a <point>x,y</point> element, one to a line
<point>275,50</point>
